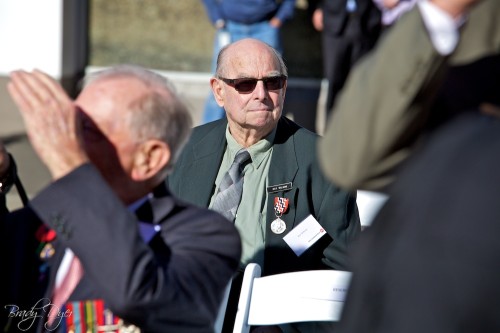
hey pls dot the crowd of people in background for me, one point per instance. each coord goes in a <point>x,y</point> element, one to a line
<point>146,221</point>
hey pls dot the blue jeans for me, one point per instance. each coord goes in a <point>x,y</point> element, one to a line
<point>262,31</point>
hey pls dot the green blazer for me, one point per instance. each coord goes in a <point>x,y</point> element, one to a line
<point>293,160</point>
<point>388,100</point>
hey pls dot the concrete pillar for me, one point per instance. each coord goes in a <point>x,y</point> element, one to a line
<point>51,35</point>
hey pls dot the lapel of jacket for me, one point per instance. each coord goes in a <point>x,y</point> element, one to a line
<point>161,204</point>
<point>283,169</point>
<point>206,156</point>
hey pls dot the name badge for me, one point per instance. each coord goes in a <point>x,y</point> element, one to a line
<point>304,235</point>
<point>279,187</point>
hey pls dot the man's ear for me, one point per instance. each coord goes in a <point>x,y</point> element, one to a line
<point>218,91</point>
<point>283,92</point>
<point>150,159</point>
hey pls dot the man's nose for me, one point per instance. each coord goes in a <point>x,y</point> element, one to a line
<point>260,90</point>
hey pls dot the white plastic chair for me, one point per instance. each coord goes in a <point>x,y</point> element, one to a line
<point>369,203</point>
<point>219,321</point>
<point>290,297</point>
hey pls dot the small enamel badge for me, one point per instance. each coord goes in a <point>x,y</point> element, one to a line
<point>47,251</point>
<point>278,226</point>
<point>45,236</point>
<point>280,205</point>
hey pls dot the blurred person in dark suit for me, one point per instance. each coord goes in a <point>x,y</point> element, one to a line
<point>428,134</point>
<point>349,29</point>
<point>429,262</point>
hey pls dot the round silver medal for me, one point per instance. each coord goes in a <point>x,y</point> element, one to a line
<point>278,226</point>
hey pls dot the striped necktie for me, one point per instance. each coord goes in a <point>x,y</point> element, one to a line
<point>231,187</point>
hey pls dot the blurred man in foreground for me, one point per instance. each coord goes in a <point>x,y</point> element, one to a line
<point>429,261</point>
<point>446,62</point>
<point>77,254</point>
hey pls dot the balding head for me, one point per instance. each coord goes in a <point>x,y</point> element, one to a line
<point>250,84</point>
<point>243,48</point>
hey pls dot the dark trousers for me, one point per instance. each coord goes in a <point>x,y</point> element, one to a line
<point>340,53</point>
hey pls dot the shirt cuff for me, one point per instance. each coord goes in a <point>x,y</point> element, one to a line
<point>442,27</point>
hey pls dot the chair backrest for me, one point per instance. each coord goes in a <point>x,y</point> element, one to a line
<point>219,321</point>
<point>369,203</point>
<point>290,297</point>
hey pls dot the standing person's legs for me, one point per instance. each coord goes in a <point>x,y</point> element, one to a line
<point>262,31</point>
<point>336,62</point>
<point>212,111</point>
<point>238,30</point>
<point>268,34</point>
<point>361,46</point>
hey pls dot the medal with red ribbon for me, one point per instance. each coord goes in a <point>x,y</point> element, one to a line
<point>278,226</point>
<point>45,250</point>
<point>280,205</point>
<point>45,236</point>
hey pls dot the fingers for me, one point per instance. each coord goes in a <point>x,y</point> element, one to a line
<point>19,91</point>
<point>34,100</point>
<point>39,97</point>
<point>23,96</point>
<point>53,87</point>
<point>33,90</point>
<point>50,118</point>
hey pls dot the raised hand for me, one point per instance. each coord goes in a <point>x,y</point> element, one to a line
<point>51,118</point>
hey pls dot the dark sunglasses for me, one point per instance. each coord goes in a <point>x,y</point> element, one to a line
<point>247,85</point>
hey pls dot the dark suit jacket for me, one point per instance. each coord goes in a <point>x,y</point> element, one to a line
<point>293,160</point>
<point>335,16</point>
<point>172,284</point>
<point>429,262</point>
